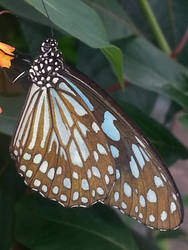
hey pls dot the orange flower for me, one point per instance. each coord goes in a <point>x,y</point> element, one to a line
<point>6,55</point>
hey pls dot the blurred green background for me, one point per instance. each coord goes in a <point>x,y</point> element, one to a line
<point>119,45</point>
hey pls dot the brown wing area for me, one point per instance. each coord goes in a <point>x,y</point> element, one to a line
<point>144,188</point>
<point>60,149</point>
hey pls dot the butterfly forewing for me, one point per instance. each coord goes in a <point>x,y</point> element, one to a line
<point>61,150</point>
<point>75,146</point>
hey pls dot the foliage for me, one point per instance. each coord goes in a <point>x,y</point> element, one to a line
<point>119,30</point>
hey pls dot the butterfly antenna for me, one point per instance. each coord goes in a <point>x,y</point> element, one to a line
<point>44,6</point>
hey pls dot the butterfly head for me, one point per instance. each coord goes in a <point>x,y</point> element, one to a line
<point>49,63</point>
<point>49,45</point>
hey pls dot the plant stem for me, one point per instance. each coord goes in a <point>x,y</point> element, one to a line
<point>154,26</point>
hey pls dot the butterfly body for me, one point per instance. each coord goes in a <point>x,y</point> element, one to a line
<point>74,145</point>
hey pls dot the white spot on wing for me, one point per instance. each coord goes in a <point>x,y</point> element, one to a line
<point>23,168</point>
<point>52,140</point>
<point>59,171</point>
<point>100,191</point>
<point>151,196</point>
<point>110,169</point>
<point>95,127</point>
<point>67,183</point>
<point>139,141</point>
<point>63,131</point>
<point>174,196</point>
<point>172,207</point>
<point>37,183</point>
<point>158,181</point>
<point>138,155</point>
<point>123,205</point>
<point>114,151</point>
<point>109,128</point>
<point>140,215</point>
<point>89,173</point>
<point>84,199</point>
<point>74,155</point>
<point>63,153</point>
<point>83,128</point>
<point>75,196</point>
<point>81,144</point>
<point>127,189</point>
<point>107,180</point>
<point>85,184</point>
<point>29,173</point>
<point>43,167</point>
<point>151,218</point>
<point>64,87</point>
<point>51,173</point>
<point>163,215</point>
<point>116,196</point>
<point>37,159</point>
<point>63,197</point>
<point>46,123</point>
<point>55,189</point>
<point>75,175</point>
<point>144,154</point>
<point>77,107</point>
<point>96,172</point>
<point>117,174</point>
<point>142,201</point>
<point>134,167</point>
<point>44,188</point>
<point>101,149</point>
<point>164,178</point>
<point>96,156</point>
<point>136,209</point>
<point>27,156</point>
<point>36,120</point>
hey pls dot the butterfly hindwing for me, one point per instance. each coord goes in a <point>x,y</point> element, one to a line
<point>144,188</point>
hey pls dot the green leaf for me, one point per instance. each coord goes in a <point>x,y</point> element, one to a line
<point>149,68</point>
<point>99,71</point>
<point>11,107</point>
<point>82,22</point>
<point>169,148</point>
<point>145,65</point>
<point>114,55</point>
<point>10,190</point>
<point>185,200</point>
<point>41,224</point>
<point>78,20</point>
<point>145,243</point>
<point>184,120</point>
<point>6,221</point>
<point>112,13</point>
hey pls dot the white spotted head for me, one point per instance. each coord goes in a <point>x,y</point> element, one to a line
<point>49,45</point>
<point>45,68</point>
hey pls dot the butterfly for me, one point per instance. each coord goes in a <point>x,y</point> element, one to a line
<point>75,146</point>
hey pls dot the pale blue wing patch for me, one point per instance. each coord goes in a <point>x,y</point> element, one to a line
<point>109,128</point>
<point>80,93</point>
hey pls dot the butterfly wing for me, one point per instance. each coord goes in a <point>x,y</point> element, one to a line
<point>60,149</point>
<point>144,188</point>
<point>75,146</point>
